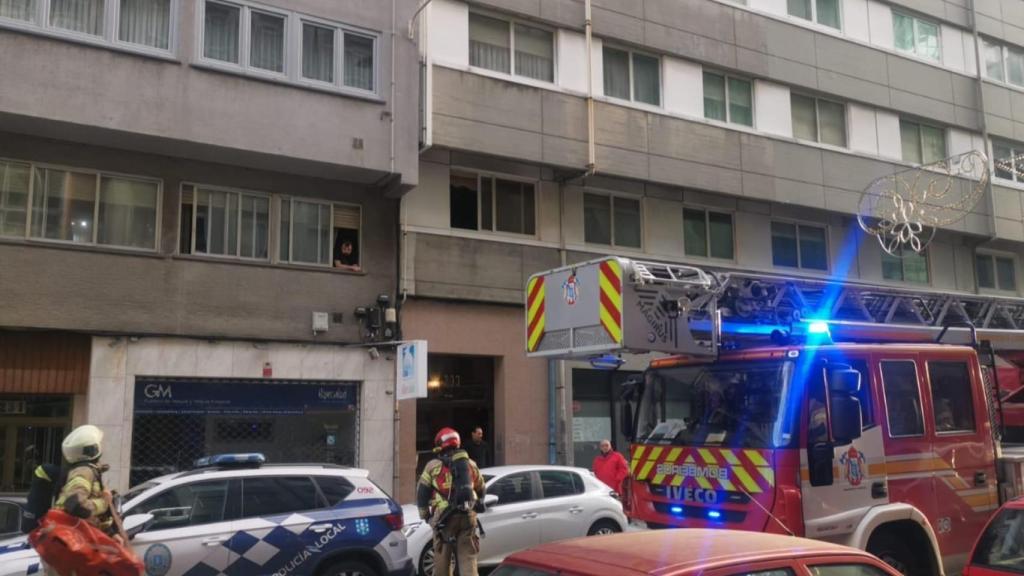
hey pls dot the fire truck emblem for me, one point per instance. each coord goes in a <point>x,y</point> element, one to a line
<point>571,289</point>
<point>854,466</point>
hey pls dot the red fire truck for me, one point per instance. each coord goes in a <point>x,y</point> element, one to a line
<point>855,414</point>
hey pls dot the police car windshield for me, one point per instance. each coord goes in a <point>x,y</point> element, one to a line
<point>730,404</point>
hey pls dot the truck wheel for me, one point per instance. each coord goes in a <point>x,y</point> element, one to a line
<point>350,568</point>
<point>895,553</point>
<point>603,527</point>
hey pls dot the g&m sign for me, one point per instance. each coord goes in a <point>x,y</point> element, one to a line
<point>241,397</point>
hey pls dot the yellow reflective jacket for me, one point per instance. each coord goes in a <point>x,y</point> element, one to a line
<point>438,478</point>
<point>83,490</point>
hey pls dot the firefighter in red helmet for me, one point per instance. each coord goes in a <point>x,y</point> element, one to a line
<point>449,494</point>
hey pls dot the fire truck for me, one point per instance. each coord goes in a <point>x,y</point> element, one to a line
<point>851,413</point>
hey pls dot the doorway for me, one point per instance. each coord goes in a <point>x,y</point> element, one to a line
<point>460,395</point>
<point>31,433</point>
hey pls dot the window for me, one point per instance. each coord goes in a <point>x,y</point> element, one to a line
<point>922,144</point>
<point>902,398</point>
<point>824,12</point>
<point>916,36</point>
<point>996,272</point>
<point>555,484</point>
<point>1008,160</point>
<point>1003,63</point>
<point>316,232</point>
<point>512,488</point>
<point>952,402</point>
<point>269,496</point>
<point>632,76</point>
<point>1001,547</point>
<point>14,192</point>
<point>799,246</point>
<point>728,99</point>
<point>707,234</point>
<point>504,46</point>
<point>905,266</point>
<point>328,54</point>
<point>846,570</point>
<point>144,24</point>
<point>224,223</point>
<point>482,202</point>
<point>188,505</point>
<point>83,207</point>
<point>611,220</point>
<point>818,120</point>
<point>334,488</point>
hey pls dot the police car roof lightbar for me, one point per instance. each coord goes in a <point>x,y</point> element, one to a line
<point>231,460</point>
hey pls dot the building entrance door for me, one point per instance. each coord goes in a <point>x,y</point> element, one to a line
<point>31,430</point>
<point>460,395</point>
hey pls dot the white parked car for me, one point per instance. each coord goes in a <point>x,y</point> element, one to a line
<point>527,506</point>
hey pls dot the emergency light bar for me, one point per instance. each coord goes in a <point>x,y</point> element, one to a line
<point>254,459</point>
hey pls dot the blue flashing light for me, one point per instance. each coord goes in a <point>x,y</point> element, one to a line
<point>607,362</point>
<point>714,514</point>
<point>244,459</point>
<point>676,509</point>
<point>818,327</point>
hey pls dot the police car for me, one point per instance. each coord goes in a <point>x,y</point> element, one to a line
<point>235,515</point>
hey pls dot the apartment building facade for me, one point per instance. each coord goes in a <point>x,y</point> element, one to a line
<point>196,196</point>
<point>732,135</point>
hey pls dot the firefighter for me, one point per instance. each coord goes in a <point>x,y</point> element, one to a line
<point>449,494</point>
<point>83,494</point>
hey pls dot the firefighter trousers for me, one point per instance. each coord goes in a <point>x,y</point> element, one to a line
<point>460,531</point>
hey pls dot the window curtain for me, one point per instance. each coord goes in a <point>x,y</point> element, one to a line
<point>489,43</point>
<point>146,22</point>
<point>646,79</point>
<point>903,32</point>
<point>993,54</point>
<point>14,179</point>
<point>927,40</point>
<point>18,9</point>
<point>220,40</point>
<point>933,144</point>
<point>535,53</point>
<point>266,40</point>
<point>127,214</point>
<point>84,16</point>
<point>1015,66</point>
<point>318,53</point>
<point>714,96</point>
<point>832,122</point>
<point>616,73</point>
<point>805,121</point>
<point>910,141</point>
<point>741,102</point>
<point>358,62</point>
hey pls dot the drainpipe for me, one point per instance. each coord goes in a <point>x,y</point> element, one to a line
<point>983,122</point>
<point>591,144</point>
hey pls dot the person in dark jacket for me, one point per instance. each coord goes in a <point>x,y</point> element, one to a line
<point>478,450</point>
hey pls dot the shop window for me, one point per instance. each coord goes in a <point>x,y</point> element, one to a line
<point>492,204</point>
<point>612,220</point>
<point>556,484</point>
<point>902,398</point>
<point>799,246</point>
<point>707,234</point>
<point>513,488</point>
<point>274,495</point>
<point>952,401</point>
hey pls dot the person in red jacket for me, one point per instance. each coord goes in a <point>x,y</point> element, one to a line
<point>610,467</point>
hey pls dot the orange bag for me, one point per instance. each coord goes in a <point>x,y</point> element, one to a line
<point>71,545</point>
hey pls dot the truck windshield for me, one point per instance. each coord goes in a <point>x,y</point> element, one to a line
<point>730,404</point>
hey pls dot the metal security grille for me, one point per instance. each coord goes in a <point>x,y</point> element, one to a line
<point>177,421</point>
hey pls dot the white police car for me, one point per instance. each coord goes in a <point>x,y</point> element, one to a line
<point>237,516</point>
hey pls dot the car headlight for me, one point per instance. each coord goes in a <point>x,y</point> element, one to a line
<point>408,529</point>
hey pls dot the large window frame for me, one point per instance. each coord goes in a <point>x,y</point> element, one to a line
<point>1016,160</point>
<point>612,197</point>
<point>903,268</point>
<point>813,13</point>
<point>727,83</point>
<point>631,59</point>
<point>276,213</point>
<point>845,119</point>
<point>492,218</point>
<point>886,398</point>
<point>800,264</point>
<point>1006,51</point>
<point>241,194</point>
<point>97,201</point>
<point>40,23</point>
<point>921,128</point>
<point>917,49</point>
<point>513,24</point>
<point>292,49</point>
<point>998,284</point>
<point>708,248</point>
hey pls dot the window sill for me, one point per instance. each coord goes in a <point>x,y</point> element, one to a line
<point>520,239</point>
<point>88,40</point>
<point>74,247</point>
<point>267,264</point>
<point>285,81</point>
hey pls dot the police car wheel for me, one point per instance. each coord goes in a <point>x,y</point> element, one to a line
<point>603,527</point>
<point>350,568</point>
<point>427,561</point>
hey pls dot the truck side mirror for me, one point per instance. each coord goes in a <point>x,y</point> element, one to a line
<point>846,418</point>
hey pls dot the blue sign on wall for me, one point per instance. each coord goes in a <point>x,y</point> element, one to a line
<point>239,397</point>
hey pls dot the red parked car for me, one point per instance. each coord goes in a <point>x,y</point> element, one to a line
<point>1000,548</point>
<point>693,552</point>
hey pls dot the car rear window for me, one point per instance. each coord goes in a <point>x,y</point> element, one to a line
<point>1002,545</point>
<point>512,570</point>
<point>334,488</point>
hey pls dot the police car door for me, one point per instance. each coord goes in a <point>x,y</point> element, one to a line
<point>193,523</point>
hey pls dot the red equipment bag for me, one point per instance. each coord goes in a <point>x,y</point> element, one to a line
<point>73,547</point>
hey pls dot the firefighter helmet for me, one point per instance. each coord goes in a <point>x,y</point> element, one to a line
<point>82,444</point>
<point>447,438</point>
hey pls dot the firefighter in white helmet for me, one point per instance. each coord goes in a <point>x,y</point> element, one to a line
<point>83,494</point>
